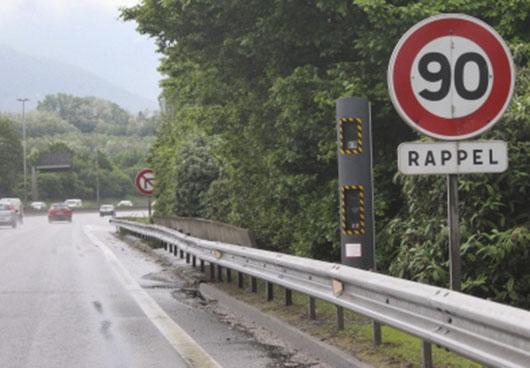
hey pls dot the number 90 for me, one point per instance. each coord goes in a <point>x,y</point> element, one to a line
<point>444,76</point>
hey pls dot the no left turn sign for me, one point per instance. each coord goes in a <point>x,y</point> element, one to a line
<point>451,77</point>
<point>145,181</point>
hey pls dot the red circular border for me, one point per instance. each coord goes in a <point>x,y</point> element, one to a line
<point>140,174</point>
<point>490,110</point>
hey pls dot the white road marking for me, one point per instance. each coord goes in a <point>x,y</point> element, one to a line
<point>183,343</point>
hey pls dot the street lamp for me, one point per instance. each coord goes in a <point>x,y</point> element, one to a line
<point>24,100</point>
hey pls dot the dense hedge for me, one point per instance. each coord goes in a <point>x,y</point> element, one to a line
<point>248,100</point>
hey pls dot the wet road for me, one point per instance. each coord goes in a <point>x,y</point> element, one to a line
<point>73,295</point>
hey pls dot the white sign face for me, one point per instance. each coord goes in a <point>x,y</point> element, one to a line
<point>353,250</point>
<point>451,77</point>
<point>145,181</point>
<point>452,157</point>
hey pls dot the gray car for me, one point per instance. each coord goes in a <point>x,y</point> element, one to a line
<point>107,210</point>
<point>17,207</point>
<point>7,214</point>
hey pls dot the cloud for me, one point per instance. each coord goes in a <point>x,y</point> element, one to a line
<point>117,3</point>
<point>9,9</point>
<point>18,10</point>
<point>84,33</point>
<point>8,6</point>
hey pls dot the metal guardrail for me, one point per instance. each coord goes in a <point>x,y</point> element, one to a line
<point>484,331</point>
<point>208,229</point>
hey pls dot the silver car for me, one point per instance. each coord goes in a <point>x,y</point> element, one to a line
<point>17,207</point>
<point>7,214</point>
<point>107,210</point>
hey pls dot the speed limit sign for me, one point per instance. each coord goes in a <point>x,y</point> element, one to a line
<point>451,77</point>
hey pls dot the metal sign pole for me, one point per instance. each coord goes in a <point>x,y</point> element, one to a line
<point>454,232</point>
<point>149,205</point>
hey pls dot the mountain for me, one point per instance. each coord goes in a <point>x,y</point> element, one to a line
<point>24,76</point>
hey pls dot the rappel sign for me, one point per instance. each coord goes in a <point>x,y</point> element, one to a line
<point>452,157</point>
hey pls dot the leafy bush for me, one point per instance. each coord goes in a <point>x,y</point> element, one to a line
<point>260,78</point>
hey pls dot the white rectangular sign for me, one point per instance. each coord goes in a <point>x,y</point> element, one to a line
<point>353,250</point>
<point>416,158</point>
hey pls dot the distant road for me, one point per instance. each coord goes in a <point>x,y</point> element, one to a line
<point>135,210</point>
<point>73,295</point>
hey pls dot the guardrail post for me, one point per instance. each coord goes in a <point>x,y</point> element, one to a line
<point>376,333</point>
<point>240,280</point>
<point>426,354</point>
<point>219,273</point>
<point>340,318</point>
<point>311,308</point>
<point>253,284</point>
<point>270,291</point>
<point>288,297</point>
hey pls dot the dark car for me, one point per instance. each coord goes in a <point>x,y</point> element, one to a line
<point>59,212</point>
<point>8,215</point>
<point>107,210</point>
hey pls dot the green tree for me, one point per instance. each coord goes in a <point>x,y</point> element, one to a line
<point>42,123</point>
<point>265,76</point>
<point>196,169</point>
<point>261,78</point>
<point>10,158</point>
<point>84,126</point>
<point>87,113</point>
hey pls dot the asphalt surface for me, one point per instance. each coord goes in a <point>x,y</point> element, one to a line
<point>74,295</point>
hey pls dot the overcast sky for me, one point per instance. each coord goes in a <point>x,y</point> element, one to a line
<point>87,34</point>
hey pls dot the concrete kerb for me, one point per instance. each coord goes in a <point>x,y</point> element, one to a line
<point>326,353</point>
<point>300,340</point>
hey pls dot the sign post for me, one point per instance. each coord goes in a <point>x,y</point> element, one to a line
<point>455,263</point>
<point>145,181</point>
<point>451,77</point>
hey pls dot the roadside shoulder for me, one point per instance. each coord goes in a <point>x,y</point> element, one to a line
<point>300,346</point>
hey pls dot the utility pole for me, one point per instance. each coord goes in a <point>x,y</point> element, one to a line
<point>97,174</point>
<point>96,118</point>
<point>24,100</point>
